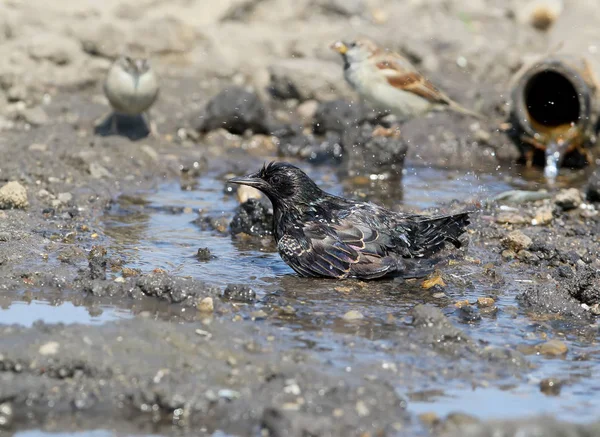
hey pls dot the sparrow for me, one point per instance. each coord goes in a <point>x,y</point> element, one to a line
<point>322,235</point>
<point>131,87</point>
<point>391,83</point>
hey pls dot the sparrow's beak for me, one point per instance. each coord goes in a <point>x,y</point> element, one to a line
<point>339,47</point>
<point>252,180</point>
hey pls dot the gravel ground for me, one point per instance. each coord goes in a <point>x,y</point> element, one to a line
<point>220,365</point>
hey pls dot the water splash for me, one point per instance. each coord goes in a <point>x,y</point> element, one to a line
<point>552,162</point>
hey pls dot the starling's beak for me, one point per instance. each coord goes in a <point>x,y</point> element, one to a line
<point>251,180</point>
<point>339,47</point>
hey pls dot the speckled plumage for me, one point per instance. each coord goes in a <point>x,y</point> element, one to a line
<point>321,235</point>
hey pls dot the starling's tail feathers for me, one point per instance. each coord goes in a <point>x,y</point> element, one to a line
<point>429,234</point>
<point>415,268</point>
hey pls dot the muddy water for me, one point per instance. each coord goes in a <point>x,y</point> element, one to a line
<point>166,237</point>
<point>26,313</point>
<point>158,230</point>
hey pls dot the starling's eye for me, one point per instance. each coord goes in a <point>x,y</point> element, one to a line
<point>275,180</point>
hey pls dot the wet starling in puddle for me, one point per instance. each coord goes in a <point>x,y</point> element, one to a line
<point>321,235</point>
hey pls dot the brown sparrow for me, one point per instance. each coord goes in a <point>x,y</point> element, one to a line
<point>391,83</point>
<point>131,87</point>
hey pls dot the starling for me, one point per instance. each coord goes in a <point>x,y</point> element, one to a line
<point>321,235</point>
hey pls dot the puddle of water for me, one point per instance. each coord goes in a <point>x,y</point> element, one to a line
<point>161,234</point>
<point>94,433</point>
<point>493,403</point>
<point>26,313</point>
<point>36,433</point>
<point>170,240</point>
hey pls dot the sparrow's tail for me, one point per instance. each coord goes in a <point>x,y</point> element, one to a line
<point>462,110</point>
<point>428,235</point>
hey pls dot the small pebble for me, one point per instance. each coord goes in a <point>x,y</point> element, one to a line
<point>6,415</point>
<point>204,254</point>
<point>553,348</point>
<point>258,315</point>
<point>44,194</point>
<point>13,195</point>
<point>429,419</point>
<point>568,199</point>
<point>517,240</point>
<point>550,386</point>
<point>288,310</point>
<point>65,197</point>
<point>306,110</point>
<point>436,280</point>
<point>488,311</point>
<point>343,289</point>
<point>511,218</point>
<point>469,314</point>
<point>462,303</point>
<point>353,315</point>
<point>362,409</point>
<point>99,172</point>
<point>485,301</point>
<point>35,116</point>
<point>37,147</point>
<point>543,216</point>
<point>50,348</point>
<point>129,272</point>
<point>461,419</point>
<point>338,412</point>
<point>203,333</point>
<point>228,394</point>
<point>206,305</point>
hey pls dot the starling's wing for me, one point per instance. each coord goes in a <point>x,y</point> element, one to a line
<point>317,251</point>
<point>336,250</point>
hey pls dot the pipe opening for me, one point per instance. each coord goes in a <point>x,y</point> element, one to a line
<point>551,99</point>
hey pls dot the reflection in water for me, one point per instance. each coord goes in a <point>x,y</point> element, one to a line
<point>26,313</point>
<point>127,220</point>
<point>90,433</point>
<point>36,433</point>
<point>492,403</point>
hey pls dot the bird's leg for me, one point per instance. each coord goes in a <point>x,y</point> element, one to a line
<point>102,119</point>
<point>114,129</point>
<point>390,132</point>
<point>151,124</point>
<point>529,154</point>
<point>529,158</point>
<point>586,153</point>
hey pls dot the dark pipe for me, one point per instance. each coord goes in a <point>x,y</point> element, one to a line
<point>552,99</point>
